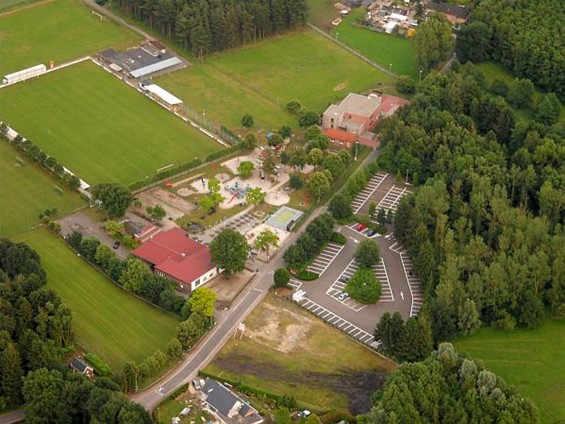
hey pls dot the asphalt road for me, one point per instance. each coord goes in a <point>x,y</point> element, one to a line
<point>12,417</point>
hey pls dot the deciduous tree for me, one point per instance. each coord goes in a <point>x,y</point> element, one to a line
<point>229,251</point>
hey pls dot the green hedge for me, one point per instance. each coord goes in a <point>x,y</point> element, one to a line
<point>224,152</point>
<point>100,367</point>
<point>338,238</point>
<point>166,174</point>
<point>306,275</point>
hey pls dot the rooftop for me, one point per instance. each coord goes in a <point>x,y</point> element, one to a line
<point>177,255</point>
<point>356,104</point>
<point>449,9</point>
<point>141,61</point>
<point>228,404</point>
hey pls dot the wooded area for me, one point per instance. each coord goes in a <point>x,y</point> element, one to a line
<point>524,36</point>
<point>486,231</point>
<point>209,26</point>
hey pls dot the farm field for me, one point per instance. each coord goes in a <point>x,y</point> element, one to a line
<point>26,191</point>
<point>384,49</point>
<point>99,127</point>
<point>285,350</point>
<point>301,65</point>
<point>59,30</point>
<point>493,71</point>
<point>531,360</point>
<point>107,320</point>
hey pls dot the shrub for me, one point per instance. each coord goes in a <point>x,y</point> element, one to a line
<point>338,238</point>
<point>364,286</point>
<point>281,277</point>
<point>247,121</point>
<point>367,254</point>
<point>405,84</point>
<point>306,275</point>
<point>100,367</point>
<point>294,106</point>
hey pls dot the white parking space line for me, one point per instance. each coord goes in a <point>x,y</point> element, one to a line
<point>391,199</point>
<point>414,284</point>
<point>325,258</point>
<point>367,191</point>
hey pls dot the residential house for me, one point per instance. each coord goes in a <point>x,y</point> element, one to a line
<point>230,407</point>
<point>81,367</point>
<point>454,13</point>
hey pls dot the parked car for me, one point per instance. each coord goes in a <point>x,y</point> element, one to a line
<point>343,296</point>
<point>116,245</point>
<point>344,280</point>
<point>372,233</point>
<point>361,227</point>
<point>196,384</point>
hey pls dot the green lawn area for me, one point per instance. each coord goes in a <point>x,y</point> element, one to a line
<point>27,190</point>
<point>98,127</point>
<point>261,78</point>
<point>107,320</point>
<point>13,4</point>
<point>493,71</point>
<point>285,350</point>
<point>531,360</point>
<point>321,13</point>
<point>385,49</point>
<point>60,30</point>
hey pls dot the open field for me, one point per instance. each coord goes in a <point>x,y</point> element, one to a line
<point>60,30</point>
<point>285,350</point>
<point>26,191</point>
<point>107,320</point>
<point>98,127</point>
<point>384,49</point>
<point>493,71</point>
<point>13,4</point>
<point>264,76</point>
<point>531,360</point>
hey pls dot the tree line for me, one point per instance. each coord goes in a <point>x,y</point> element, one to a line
<point>485,233</point>
<point>35,335</point>
<point>203,27</point>
<point>525,37</point>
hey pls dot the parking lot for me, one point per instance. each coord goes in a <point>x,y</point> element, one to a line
<point>367,191</point>
<point>325,258</point>
<point>384,191</point>
<point>414,283</point>
<point>392,197</point>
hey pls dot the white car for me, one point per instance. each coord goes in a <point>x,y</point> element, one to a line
<point>343,296</point>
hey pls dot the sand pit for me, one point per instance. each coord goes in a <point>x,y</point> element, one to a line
<point>277,198</point>
<point>184,192</point>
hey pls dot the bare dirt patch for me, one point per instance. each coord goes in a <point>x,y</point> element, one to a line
<point>341,86</point>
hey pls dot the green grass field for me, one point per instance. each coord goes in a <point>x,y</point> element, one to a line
<point>493,71</point>
<point>261,78</point>
<point>13,4</point>
<point>384,49</point>
<point>98,127</point>
<point>60,30</point>
<point>107,320</point>
<point>27,190</point>
<point>285,350</point>
<point>321,13</point>
<point>531,360</point>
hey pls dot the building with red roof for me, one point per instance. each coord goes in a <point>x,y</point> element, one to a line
<point>175,255</point>
<point>353,119</point>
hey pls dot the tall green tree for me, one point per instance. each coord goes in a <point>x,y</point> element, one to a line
<point>114,199</point>
<point>367,254</point>
<point>229,251</point>
<point>266,240</point>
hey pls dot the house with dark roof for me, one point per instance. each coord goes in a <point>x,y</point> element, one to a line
<point>175,255</point>
<point>352,120</point>
<point>81,367</point>
<point>454,13</point>
<point>230,407</point>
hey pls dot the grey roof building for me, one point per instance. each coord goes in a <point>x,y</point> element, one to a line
<point>230,407</point>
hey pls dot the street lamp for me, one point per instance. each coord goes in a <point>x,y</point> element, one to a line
<point>356,149</point>
<point>420,76</point>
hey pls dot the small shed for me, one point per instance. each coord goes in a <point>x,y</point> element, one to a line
<point>80,366</point>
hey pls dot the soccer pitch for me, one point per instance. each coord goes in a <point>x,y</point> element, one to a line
<point>59,30</point>
<point>98,127</point>
<point>261,78</point>
<point>26,190</point>
<point>107,320</point>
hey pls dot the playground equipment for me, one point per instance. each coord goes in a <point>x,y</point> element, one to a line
<point>237,190</point>
<point>168,183</point>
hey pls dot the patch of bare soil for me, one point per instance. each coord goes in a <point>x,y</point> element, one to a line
<point>281,329</point>
<point>357,386</point>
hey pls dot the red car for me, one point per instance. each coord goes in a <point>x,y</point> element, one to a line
<point>361,227</point>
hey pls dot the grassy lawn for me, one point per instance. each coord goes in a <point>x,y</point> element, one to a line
<point>493,71</point>
<point>60,30</point>
<point>384,49</point>
<point>107,320</point>
<point>13,4</point>
<point>26,191</point>
<point>531,360</point>
<point>321,13</point>
<point>98,127</point>
<point>261,78</point>
<point>285,350</point>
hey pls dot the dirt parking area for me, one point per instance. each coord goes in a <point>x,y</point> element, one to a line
<point>227,289</point>
<point>175,205</point>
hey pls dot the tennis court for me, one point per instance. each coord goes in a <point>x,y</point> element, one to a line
<point>284,218</point>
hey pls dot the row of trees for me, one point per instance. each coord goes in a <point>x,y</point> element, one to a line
<point>447,387</point>
<point>485,233</point>
<point>203,26</point>
<point>434,43</point>
<point>133,274</point>
<point>310,242</point>
<point>34,153</point>
<point>525,37</point>
<point>35,326</point>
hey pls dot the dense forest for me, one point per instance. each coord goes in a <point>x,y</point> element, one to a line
<point>35,336</point>
<point>209,26</point>
<point>449,388</point>
<point>524,36</point>
<point>486,231</point>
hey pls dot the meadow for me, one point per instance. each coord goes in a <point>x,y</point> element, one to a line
<point>26,190</point>
<point>58,30</point>
<point>98,127</point>
<point>531,360</point>
<point>261,78</point>
<point>390,51</point>
<point>285,350</point>
<point>108,321</point>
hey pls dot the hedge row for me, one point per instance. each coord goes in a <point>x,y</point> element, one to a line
<point>338,238</point>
